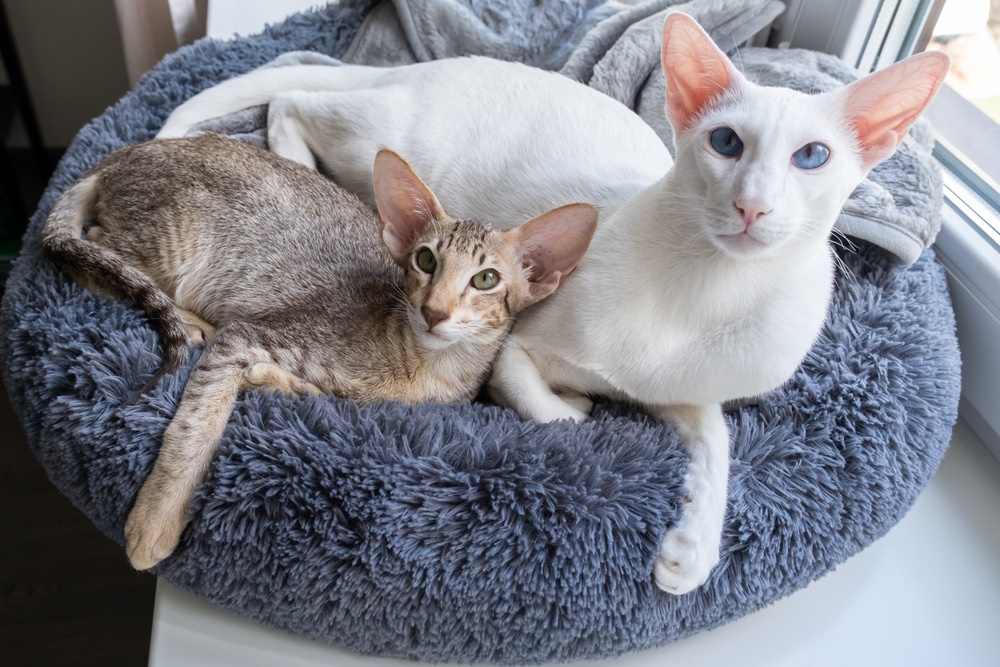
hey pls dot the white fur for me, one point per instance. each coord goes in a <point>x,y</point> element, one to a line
<point>583,147</point>
<point>678,305</point>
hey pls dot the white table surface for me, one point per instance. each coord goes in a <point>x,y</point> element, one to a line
<point>926,594</point>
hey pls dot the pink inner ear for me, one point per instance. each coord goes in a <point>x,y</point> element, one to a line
<point>696,71</point>
<point>405,204</point>
<point>553,243</point>
<point>882,106</point>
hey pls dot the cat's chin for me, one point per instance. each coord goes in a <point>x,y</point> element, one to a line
<point>741,244</point>
<point>433,341</point>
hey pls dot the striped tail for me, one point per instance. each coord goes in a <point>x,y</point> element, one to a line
<point>102,269</point>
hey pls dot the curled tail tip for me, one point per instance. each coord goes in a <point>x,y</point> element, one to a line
<point>142,391</point>
<point>173,358</point>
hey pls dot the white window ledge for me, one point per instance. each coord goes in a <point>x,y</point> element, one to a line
<point>970,254</point>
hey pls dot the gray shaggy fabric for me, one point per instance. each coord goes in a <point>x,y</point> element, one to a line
<point>463,533</point>
<point>543,33</point>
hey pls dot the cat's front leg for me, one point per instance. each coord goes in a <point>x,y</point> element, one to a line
<point>154,526</point>
<point>690,548</point>
<point>517,383</point>
<point>157,519</point>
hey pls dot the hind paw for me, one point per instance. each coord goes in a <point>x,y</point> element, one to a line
<point>199,332</point>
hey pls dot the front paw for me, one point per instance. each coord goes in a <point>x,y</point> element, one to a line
<point>546,407</point>
<point>557,411</point>
<point>153,530</point>
<point>577,401</point>
<point>685,561</point>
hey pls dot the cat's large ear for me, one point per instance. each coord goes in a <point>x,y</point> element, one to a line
<point>552,244</point>
<point>882,106</point>
<point>405,204</point>
<point>695,69</point>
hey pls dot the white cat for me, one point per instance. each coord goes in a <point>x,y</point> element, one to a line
<point>705,282</point>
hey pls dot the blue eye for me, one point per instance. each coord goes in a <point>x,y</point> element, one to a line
<point>811,156</point>
<point>726,142</point>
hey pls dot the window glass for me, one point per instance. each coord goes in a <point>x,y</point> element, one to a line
<point>966,112</point>
<point>969,31</point>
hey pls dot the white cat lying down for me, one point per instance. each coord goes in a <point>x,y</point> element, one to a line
<point>704,283</point>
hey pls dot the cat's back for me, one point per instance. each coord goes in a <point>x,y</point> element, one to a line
<point>212,176</point>
<point>224,225</point>
<point>496,140</point>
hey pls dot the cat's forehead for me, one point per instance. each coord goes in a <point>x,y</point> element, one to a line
<point>775,115</point>
<point>467,236</point>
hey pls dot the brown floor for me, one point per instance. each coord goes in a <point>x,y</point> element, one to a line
<point>68,596</point>
<point>67,593</point>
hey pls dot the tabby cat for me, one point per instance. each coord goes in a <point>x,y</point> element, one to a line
<point>296,286</point>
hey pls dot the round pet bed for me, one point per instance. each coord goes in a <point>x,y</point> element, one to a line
<point>464,533</point>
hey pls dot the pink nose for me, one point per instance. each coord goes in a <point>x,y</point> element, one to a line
<point>751,209</point>
<point>433,316</point>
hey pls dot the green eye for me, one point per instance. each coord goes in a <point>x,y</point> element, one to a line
<point>485,279</point>
<point>426,260</point>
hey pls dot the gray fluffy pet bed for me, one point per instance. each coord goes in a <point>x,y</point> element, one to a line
<point>464,533</point>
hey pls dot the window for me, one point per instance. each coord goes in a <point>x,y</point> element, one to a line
<point>966,112</point>
<point>872,34</point>
<point>966,118</point>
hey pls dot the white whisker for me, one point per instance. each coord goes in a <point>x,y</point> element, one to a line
<point>736,48</point>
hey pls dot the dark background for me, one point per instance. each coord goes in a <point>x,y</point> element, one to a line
<point>67,593</point>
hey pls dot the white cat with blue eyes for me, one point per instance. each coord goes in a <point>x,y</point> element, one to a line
<point>705,282</point>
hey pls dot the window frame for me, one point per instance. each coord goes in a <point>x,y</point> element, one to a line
<point>969,243</point>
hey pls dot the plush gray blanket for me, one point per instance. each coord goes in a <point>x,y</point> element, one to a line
<point>614,48</point>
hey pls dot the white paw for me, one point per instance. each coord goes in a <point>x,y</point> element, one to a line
<point>547,408</point>
<point>685,561</point>
<point>556,410</point>
<point>310,388</point>
<point>577,401</point>
<point>153,529</point>
<point>199,332</point>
